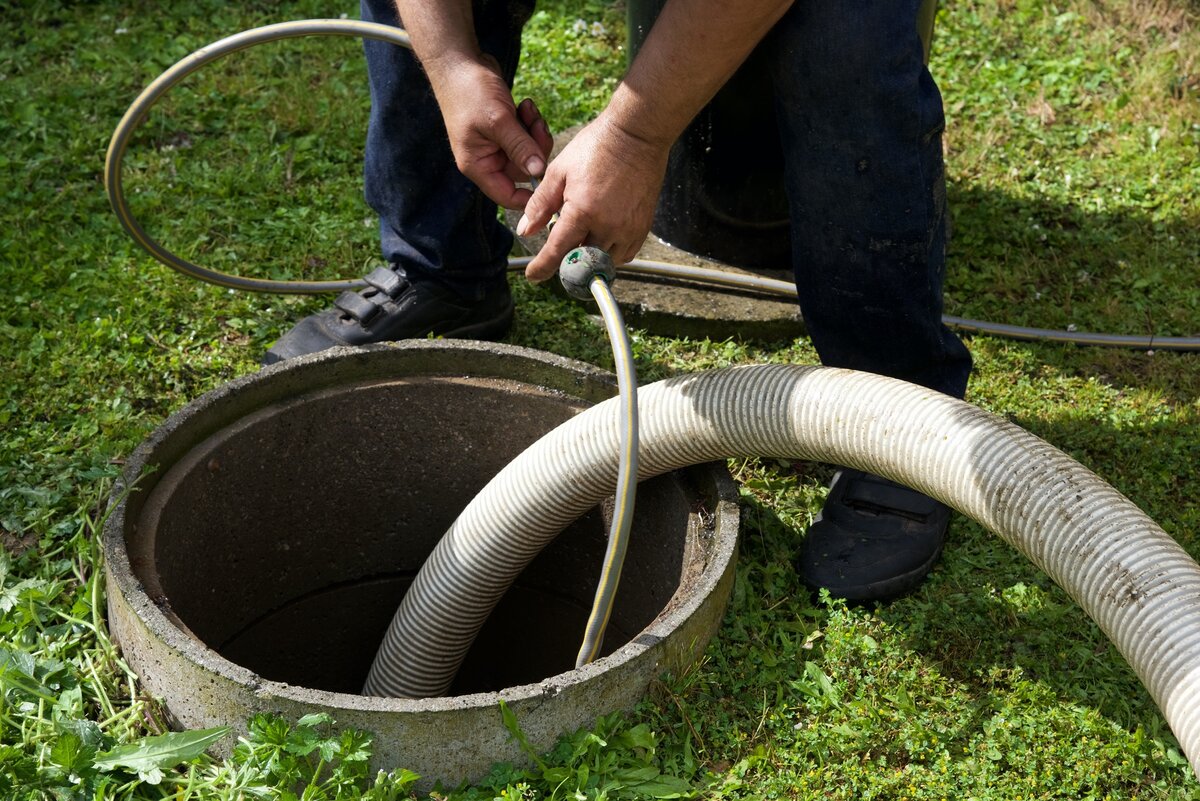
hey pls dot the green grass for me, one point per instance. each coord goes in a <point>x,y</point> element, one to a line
<point>1073,156</point>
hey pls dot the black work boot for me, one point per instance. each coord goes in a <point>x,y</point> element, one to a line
<point>874,540</point>
<point>393,307</point>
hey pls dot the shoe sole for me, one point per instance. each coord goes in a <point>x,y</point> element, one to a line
<point>880,591</point>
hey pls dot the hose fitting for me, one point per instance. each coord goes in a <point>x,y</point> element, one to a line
<point>580,266</point>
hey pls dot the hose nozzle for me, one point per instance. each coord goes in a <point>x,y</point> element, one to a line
<point>580,266</point>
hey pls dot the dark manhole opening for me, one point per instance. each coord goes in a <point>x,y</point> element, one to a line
<point>285,540</point>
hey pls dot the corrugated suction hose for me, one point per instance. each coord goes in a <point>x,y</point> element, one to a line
<point>1137,583</point>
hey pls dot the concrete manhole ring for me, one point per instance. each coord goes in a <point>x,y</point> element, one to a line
<point>275,522</point>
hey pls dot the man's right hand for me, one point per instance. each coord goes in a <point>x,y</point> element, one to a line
<point>496,143</point>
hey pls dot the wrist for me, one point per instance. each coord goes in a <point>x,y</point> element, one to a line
<point>442,33</point>
<point>635,127</point>
<point>631,113</point>
<point>450,65</point>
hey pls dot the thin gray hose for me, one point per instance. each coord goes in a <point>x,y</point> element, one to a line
<point>1138,584</point>
<point>627,472</point>
<point>138,111</point>
<point>728,279</point>
<point>140,108</point>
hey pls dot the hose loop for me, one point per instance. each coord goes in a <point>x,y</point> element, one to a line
<point>1139,586</point>
<point>137,112</point>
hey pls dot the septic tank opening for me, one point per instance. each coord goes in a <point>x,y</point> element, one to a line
<point>285,541</point>
<point>260,539</point>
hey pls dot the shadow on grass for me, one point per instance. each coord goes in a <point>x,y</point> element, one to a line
<point>1036,262</point>
<point>1039,263</point>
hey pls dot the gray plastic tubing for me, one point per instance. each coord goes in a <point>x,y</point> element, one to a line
<point>1135,582</point>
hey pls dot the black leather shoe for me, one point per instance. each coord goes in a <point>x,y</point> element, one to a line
<point>874,540</point>
<point>392,307</point>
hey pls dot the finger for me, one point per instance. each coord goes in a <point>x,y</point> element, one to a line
<point>519,198</point>
<point>502,190</point>
<point>531,118</point>
<point>518,145</point>
<point>536,126</point>
<point>515,172</point>
<point>627,254</point>
<point>547,199</point>
<point>487,172</point>
<point>609,246</point>
<point>565,235</point>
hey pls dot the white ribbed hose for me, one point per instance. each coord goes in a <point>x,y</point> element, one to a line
<point>1137,583</point>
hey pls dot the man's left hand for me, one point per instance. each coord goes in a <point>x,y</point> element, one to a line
<point>604,187</point>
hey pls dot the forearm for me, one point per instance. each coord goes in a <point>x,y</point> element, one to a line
<point>442,34</point>
<point>693,49</point>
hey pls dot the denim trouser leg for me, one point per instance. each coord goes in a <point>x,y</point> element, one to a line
<point>432,220</point>
<point>860,119</point>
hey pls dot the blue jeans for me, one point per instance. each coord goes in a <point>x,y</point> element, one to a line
<point>860,120</point>
<point>432,220</point>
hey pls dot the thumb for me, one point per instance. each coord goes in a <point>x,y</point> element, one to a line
<point>546,200</point>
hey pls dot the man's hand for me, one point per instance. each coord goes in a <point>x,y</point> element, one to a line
<point>495,143</point>
<point>606,182</point>
<point>604,186</point>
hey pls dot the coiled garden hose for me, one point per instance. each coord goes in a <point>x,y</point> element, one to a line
<point>137,112</point>
<point>1137,583</point>
<point>586,273</point>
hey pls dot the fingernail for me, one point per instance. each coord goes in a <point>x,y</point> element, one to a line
<point>534,166</point>
<point>523,226</point>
